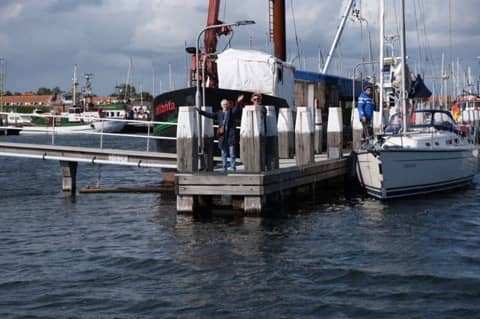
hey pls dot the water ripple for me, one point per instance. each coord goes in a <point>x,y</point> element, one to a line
<point>131,255</point>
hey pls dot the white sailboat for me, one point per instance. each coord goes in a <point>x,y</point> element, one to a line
<point>106,125</point>
<point>419,153</point>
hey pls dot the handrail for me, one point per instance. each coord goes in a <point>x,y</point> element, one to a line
<point>53,128</point>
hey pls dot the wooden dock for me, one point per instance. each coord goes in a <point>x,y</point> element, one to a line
<point>255,190</point>
<point>264,177</point>
<point>278,157</point>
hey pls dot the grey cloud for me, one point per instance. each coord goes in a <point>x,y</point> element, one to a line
<point>42,44</point>
<point>72,5</point>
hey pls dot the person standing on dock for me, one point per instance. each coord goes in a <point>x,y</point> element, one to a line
<point>226,132</point>
<point>256,99</point>
<point>366,107</point>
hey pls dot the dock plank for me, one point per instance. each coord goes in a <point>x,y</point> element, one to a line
<point>259,184</point>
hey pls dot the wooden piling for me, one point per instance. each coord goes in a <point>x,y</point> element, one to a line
<point>335,133</point>
<point>187,152</point>
<point>377,125</point>
<point>318,130</point>
<point>286,133</point>
<point>187,140</point>
<point>271,139</point>
<point>304,136</point>
<point>253,205</point>
<point>357,130</point>
<point>252,139</point>
<point>69,176</point>
<point>208,137</point>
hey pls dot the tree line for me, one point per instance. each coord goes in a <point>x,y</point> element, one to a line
<point>122,91</point>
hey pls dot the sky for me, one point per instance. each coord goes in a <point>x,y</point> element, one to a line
<point>41,41</point>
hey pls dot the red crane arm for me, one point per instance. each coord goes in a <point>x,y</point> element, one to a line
<point>210,42</point>
<point>211,35</point>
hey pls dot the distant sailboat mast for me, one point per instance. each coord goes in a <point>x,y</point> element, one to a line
<point>127,88</point>
<point>74,86</point>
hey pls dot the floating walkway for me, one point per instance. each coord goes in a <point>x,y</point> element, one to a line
<point>70,156</point>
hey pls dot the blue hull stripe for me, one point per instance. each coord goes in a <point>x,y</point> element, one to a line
<point>418,189</point>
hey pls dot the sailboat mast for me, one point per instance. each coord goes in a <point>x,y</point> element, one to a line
<point>127,87</point>
<point>74,86</point>
<point>338,35</point>
<point>403,94</point>
<point>380,67</point>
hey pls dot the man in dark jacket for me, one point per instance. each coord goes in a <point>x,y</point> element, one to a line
<point>226,132</point>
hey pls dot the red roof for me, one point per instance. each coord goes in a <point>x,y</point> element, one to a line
<point>28,99</point>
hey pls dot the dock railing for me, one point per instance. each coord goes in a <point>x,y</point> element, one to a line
<point>82,127</point>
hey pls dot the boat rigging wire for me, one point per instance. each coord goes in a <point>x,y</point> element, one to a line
<point>450,64</point>
<point>224,9</point>
<point>424,41</point>
<point>296,35</point>
<point>419,40</point>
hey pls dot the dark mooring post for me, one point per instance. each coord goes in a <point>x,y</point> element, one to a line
<point>208,145</point>
<point>252,151</point>
<point>69,177</point>
<point>187,151</point>
<point>271,140</point>
<point>335,133</point>
<point>304,136</point>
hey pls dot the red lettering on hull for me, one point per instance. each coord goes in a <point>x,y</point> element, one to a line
<point>169,106</point>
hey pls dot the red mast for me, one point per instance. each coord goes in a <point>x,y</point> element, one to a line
<point>277,11</point>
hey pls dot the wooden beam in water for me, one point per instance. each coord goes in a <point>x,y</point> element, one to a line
<point>132,189</point>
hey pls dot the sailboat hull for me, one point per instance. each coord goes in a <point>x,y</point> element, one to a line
<point>406,172</point>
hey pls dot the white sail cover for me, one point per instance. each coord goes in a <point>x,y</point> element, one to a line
<point>256,71</point>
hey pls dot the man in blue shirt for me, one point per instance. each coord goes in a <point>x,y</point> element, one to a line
<point>365,107</point>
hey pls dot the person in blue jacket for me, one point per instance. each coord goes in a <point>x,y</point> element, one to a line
<point>365,107</point>
<point>226,132</point>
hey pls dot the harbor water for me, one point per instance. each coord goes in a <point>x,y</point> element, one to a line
<point>132,256</point>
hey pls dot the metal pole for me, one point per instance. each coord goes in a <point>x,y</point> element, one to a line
<point>404,54</point>
<point>197,92</point>
<point>53,128</point>
<point>381,59</point>
<point>203,82</point>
